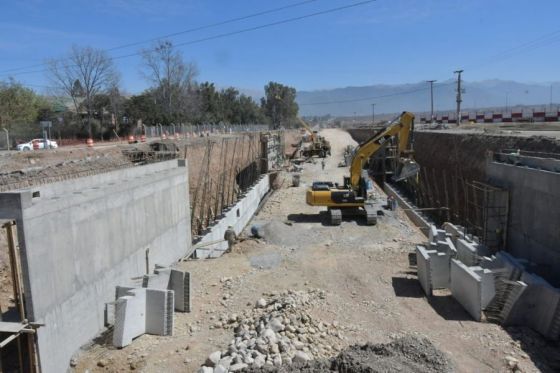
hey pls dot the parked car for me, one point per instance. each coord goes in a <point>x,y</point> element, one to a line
<point>37,144</point>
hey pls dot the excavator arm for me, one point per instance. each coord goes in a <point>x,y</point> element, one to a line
<point>307,128</point>
<point>401,127</point>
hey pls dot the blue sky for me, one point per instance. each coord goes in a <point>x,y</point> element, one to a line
<point>387,41</point>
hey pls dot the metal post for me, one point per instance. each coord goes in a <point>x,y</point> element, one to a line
<point>551,97</point>
<point>373,114</point>
<point>459,92</point>
<point>431,100</point>
<point>7,138</point>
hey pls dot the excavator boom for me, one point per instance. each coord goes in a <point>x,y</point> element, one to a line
<point>401,127</point>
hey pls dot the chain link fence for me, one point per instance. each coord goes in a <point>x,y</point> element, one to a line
<point>199,130</point>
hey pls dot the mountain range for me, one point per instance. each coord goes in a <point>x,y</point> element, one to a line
<point>415,97</point>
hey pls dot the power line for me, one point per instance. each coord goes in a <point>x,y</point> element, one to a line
<point>227,34</point>
<point>541,41</point>
<point>199,28</point>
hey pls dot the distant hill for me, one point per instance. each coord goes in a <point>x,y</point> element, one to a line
<point>416,97</point>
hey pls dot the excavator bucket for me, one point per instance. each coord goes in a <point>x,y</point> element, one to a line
<point>406,169</point>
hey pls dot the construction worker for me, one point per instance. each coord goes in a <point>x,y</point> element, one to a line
<point>230,237</point>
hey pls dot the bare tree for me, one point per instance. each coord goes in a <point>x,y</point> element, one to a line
<point>172,79</point>
<point>84,73</point>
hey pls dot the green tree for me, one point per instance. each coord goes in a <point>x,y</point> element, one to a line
<point>141,107</point>
<point>279,104</point>
<point>19,109</point>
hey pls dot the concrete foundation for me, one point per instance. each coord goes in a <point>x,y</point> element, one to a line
<point>212,245</point>
<point>81,238</point>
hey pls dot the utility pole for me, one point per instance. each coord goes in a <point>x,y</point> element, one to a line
<point>431,99</point>
<point>459,92</point>
<point>507,96</point>
<point>373,114</point>
<point>550,96</point>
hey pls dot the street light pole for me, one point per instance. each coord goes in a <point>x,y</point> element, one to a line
<point>373,114</point>
<point>431,99</point>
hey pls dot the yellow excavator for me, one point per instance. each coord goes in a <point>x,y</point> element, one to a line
<point>318,146</point>
<point>351,197</point>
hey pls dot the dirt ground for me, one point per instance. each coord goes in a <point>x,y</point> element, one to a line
<point>371,292</point>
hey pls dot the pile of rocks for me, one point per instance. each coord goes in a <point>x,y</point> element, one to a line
<point>276,332</point>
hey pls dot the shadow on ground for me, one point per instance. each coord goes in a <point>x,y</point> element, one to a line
<point>447,307</point>
<point>323,218</point>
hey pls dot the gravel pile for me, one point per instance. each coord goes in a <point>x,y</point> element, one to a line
<point>277,332</point>
<point>408,354</point>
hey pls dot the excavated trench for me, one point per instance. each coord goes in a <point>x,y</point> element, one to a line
<point>449,162</point>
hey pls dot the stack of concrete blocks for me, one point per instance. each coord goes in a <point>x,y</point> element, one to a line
<point>142,310</point>
<point>149,308</point>
<point>473,287</point>
<point>433,269</point>
<point>433,260</point>
<point>469,249</point>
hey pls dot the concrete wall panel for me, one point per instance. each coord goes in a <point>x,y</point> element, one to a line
<point>533,232</point>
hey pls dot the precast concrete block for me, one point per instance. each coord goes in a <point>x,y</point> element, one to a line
<point>159,280</point>
<point>423,268</point>
<point>180,283</point>
<point>130,317</point>
<point>456,231</point>
<point>439,270</point>
<point>466,288</point>
<point>142,310</point>
<point>159,311</point>
<point>432,233</point>
<point>466,252</point>
<point>447,247</point>
<point>487,285</point>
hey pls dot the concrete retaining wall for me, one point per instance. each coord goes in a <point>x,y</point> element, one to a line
<point>212,245</point>
<point>533,232</point>
<point>81,238</point>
